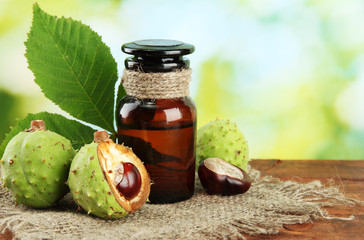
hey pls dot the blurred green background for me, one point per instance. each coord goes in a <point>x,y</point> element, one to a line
<point>290,73</point>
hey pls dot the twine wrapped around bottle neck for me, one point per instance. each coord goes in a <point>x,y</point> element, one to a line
<point>157,85</point>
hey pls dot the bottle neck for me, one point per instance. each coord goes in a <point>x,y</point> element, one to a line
<point>156,64</point>
<point>157,85</point>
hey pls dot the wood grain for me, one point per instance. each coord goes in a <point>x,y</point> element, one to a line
<point>6,235</point>
<point>349,175</point>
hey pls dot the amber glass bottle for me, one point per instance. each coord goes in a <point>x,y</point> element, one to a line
<point>161,131</point>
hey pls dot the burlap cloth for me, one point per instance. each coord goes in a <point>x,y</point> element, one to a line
<point>268,205</point>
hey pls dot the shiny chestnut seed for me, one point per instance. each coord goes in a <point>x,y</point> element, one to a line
<point>220,177</point>
<point>127,180</point>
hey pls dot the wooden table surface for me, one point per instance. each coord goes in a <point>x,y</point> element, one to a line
<point>348,174</point>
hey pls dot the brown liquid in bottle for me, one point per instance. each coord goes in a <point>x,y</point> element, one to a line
<point>161,133</point>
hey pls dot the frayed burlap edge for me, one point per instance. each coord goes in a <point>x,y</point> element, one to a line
<point>264,209</point>
<point>157,85</point>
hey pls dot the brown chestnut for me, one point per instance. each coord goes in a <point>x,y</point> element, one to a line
<point>220,177</point>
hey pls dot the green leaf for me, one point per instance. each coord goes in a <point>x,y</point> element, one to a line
<point>74,131</point>
<point>73,67</point>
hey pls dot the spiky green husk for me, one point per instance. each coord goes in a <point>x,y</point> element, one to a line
<point>222,139</point>
<point>89,187</point>
<point>35,167</point>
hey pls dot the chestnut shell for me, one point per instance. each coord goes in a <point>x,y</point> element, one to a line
<point>220,177</point>
<point>110,155</point>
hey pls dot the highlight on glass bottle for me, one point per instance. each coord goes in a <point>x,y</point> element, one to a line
<point>157,118</point>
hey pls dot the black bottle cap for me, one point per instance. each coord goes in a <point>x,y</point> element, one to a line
<point>157,55</point>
